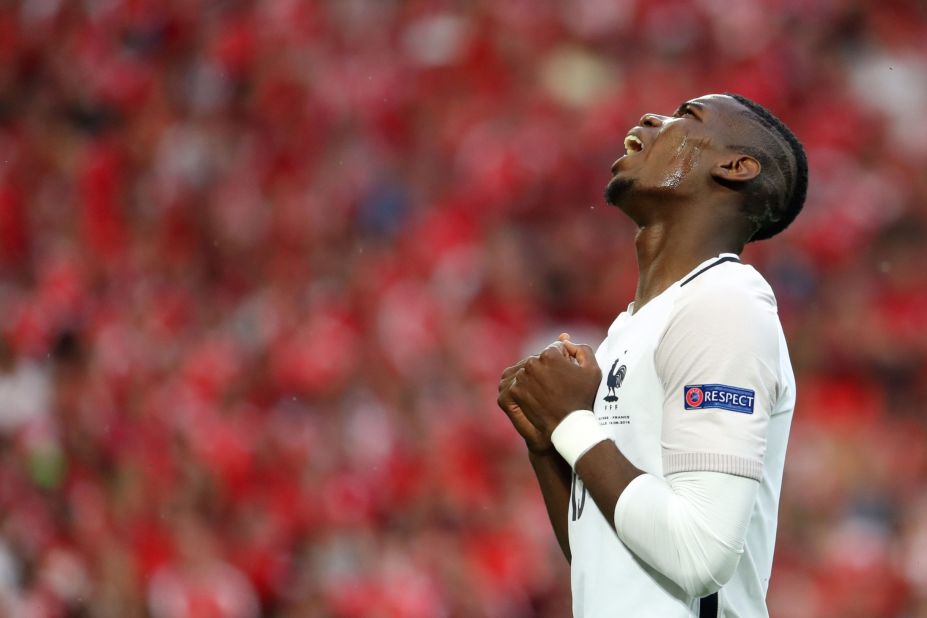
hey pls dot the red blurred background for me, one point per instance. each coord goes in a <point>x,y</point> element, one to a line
<point>261,264</point>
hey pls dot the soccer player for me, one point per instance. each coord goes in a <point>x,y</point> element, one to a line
<point>662,476</point>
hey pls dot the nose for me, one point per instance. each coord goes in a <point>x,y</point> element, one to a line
<point>651,120</point>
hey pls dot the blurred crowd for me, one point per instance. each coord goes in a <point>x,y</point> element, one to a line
<point>262,263</point>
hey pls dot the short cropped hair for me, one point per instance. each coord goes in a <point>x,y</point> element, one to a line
<point>776,196</point>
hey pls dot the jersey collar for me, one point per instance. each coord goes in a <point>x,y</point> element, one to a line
<point>691,275</point>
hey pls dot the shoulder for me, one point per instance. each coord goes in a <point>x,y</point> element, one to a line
<point>731,288</point>
<point>729,307</point>
<point>725,318</point>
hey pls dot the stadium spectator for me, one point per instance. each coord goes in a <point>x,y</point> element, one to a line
<point>246,249</point>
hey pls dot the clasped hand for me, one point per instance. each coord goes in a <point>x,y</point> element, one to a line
<point>539,391</point>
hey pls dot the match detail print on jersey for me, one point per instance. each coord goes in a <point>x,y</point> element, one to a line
<point>720,396</point>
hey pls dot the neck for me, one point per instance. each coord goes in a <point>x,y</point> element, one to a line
<point>666,252</point>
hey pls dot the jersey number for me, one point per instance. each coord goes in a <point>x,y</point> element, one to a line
<point>577,502</point>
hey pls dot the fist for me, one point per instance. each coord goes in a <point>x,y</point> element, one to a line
<point>549,386</point>
<point>537,441</point>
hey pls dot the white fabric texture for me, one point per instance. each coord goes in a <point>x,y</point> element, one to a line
<point>690,526</point>
<point>716,326</point>
<point>724,332</point>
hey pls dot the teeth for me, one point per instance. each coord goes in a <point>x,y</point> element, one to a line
<point>633,144</point>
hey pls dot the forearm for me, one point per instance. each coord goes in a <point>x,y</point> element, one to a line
<point>605,472</point>
<point>554,477</point>
<point>690,526</point>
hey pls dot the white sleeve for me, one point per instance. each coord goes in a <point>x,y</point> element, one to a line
<point>719,362</point>
<point>690,526</point>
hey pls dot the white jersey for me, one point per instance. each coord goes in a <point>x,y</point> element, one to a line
<point>698,380</point>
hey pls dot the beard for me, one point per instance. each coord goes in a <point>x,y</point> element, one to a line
<point>616,189</point>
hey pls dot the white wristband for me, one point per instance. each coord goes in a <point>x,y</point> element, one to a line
<point>578,432</point>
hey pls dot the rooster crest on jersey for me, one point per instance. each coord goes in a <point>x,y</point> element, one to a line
<point>615,378</point>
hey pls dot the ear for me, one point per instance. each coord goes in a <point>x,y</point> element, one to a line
<point>736,168</point>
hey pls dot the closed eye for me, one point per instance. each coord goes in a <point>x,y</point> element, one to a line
<point>688,109</point>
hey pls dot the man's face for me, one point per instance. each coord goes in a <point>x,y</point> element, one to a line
<point>673,155</point>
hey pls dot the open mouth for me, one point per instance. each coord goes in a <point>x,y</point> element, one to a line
<point>633,144</point>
